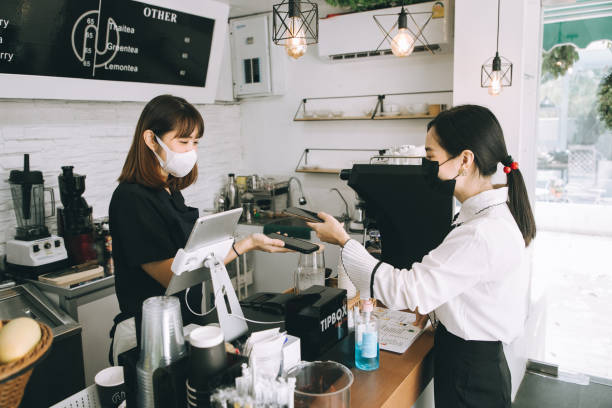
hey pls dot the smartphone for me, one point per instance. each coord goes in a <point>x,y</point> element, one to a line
<point>295,244</point>
<point>306,215</point>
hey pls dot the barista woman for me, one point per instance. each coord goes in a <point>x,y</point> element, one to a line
<point>472,284</point>
<point>149,220</point>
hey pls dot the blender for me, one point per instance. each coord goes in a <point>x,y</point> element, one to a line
<point>34,250</point>
<point>74,220</point>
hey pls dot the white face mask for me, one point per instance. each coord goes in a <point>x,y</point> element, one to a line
<point>177,164</point>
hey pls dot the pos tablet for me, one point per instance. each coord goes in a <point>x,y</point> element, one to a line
<point>213,228</point>
<point>202,260</point>
<point>211,235</point>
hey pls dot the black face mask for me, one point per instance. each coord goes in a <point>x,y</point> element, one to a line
<point>430,171</point>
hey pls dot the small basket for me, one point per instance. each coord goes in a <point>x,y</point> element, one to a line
<point>14,376</point>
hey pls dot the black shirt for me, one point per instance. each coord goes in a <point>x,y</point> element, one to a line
<point>147,225</point>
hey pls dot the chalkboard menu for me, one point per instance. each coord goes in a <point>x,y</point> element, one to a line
<point>106,40</point>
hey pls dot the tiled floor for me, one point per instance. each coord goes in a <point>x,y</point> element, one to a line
<point>544,392</point>
<point>575,274</point>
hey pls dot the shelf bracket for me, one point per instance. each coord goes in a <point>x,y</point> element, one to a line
<point>302,107</point>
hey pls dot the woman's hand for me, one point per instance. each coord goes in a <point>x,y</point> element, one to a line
<point>330,230</point>
<point>255,241</point>
<point>264,243</point>
<point>421,320</point>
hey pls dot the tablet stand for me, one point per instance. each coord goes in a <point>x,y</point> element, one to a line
<point>203,263</point>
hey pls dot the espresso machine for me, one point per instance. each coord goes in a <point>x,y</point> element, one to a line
<point>407,212</point>
<point>34,250</point>
<point>74,220</point>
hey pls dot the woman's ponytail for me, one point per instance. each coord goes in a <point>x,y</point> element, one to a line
<point>518,202</point>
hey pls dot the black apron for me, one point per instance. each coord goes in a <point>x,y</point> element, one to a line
<point>471,374</point>
<point>147,225</point>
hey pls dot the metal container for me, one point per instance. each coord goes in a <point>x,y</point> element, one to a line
<point>232,199</point>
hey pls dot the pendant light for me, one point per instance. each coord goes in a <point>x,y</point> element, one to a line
<point>403,41</point>
<point>496,72</point>
<point>296,25</point>
<point>402,44</point>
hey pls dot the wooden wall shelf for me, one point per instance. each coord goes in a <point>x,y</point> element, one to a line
<point>333,118</point>
<point>377,113</point>
<point>424,116</point>
<point>317,170</point>
<point>376,117</point>
<point>304,166</point>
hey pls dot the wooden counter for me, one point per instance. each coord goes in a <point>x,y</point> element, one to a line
<point>398,382</point>
<point>400,378</point>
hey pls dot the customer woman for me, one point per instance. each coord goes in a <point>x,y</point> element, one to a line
<point>149,220</point>
<point>472,282</point>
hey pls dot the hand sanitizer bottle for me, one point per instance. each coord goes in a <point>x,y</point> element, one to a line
<point>367,353</point>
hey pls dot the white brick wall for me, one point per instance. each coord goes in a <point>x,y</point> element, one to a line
<point>94,138</point>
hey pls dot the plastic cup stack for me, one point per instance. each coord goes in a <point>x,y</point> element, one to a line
<point>162,342</point>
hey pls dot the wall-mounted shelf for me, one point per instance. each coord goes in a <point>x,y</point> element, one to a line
<point>304,166</point>
<point>333,118</point>
<point>317,170</point>
<point>378,112</point>
<point>373,156</point>
<point>422,116</point>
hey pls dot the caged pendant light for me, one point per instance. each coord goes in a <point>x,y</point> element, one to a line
<point>403,41</point>
<point>296,25</point>
<point>496,72</point>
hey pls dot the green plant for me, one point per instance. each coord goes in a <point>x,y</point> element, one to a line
<point>557,61</point>
<point>361,5</point>
<point>604,99</point>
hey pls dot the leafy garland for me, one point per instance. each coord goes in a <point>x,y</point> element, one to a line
<point>604,96</point>
<point>557,61</point>
<point>361,5</point>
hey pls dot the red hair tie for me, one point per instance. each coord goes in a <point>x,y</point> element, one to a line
<point>513,166</point>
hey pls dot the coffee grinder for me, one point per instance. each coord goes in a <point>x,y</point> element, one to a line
<point>74,220</point>
<point>34,250</point>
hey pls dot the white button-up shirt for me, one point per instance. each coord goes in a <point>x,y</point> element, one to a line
<point>475,280</point>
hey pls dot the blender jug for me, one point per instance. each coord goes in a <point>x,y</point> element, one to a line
<point>27,190</point>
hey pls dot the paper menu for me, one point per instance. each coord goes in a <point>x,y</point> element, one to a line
<point>396,331</point>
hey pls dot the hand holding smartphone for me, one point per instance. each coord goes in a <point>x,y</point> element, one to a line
<point>305,215</point>
<point>295,244</point>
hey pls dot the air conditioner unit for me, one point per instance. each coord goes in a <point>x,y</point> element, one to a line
<point>357,35</point>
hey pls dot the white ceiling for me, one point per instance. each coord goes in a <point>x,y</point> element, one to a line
<point>244,7</point>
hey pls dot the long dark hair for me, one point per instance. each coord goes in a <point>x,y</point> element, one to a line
<point>475,128</point>
<point>161,115</point>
